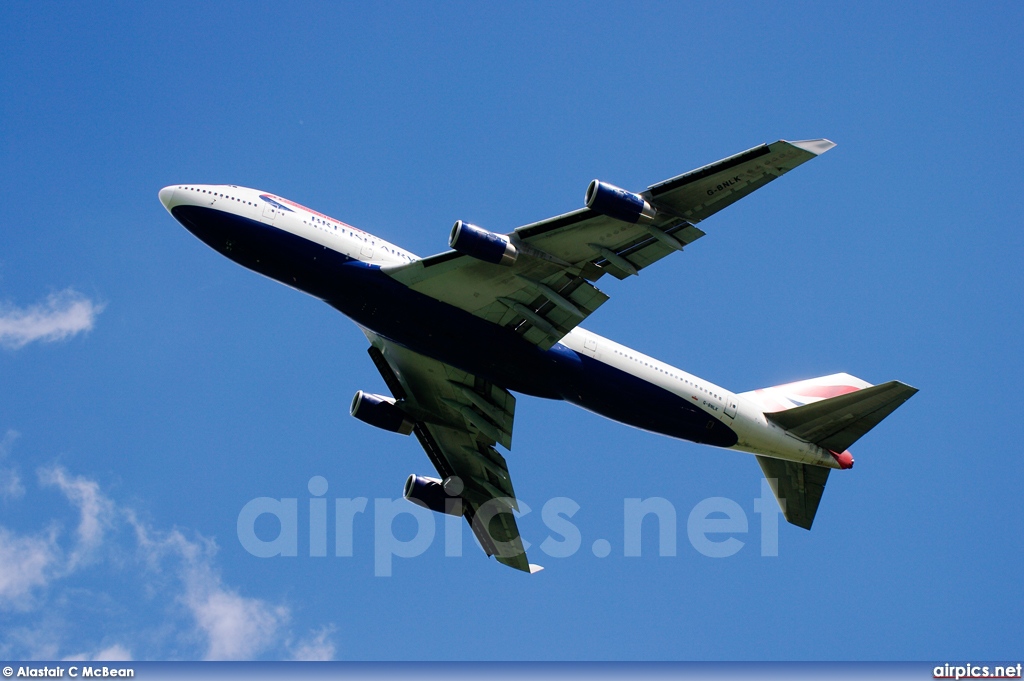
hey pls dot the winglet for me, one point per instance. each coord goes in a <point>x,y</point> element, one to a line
<point>534,568</point>
<point>816,147</point>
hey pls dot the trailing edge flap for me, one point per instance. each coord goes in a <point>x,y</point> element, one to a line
<point>549,291</point>
<point>459,440</point>
<point>797,486</point>
<point>837,422</point>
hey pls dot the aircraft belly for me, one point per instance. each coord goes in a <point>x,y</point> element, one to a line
<point>623,397</point>
<point>425,325</point>
<point>266,249</point>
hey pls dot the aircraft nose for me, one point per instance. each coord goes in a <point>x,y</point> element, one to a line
<point>166,195</point>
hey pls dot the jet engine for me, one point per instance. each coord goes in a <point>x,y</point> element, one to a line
<point>617,203</point>
<point>380,411</point>
<point>483,245</point>
<point>434,494</point>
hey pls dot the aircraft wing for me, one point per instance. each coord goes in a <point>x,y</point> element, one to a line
<point>549,289</point>
<point>458,418</point>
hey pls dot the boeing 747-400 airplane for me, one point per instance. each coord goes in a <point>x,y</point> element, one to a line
<point>455,334</point>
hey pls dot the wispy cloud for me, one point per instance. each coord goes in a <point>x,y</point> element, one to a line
<point>96,512</point>
<point>319,646</point>
<point>234,627</point>
<point>27,563</point>
<point>10,484</point>
<point>8,442</point>
<point>10,481</point>
<point>114,653</point>
<point>177,573</point>
<point>61,316</point>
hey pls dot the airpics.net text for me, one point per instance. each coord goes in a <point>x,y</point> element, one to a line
<point>714,526</point>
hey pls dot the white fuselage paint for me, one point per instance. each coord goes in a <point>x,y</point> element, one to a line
<point>757,435</point>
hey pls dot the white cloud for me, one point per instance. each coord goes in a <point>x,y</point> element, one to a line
<point>26,564</point>
<point>318,647</point>
<point>96,512</point>
<point>24,561</point>
<point>176,573</point>
<point>34,642</point>
<point>114,653</point>
<point>8,442</point>
<point>10,481</point>
<point>10,484</point>
<point>236,627</point>
<point>232,626</point>
<point>61,316</point>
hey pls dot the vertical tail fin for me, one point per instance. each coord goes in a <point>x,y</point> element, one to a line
<point>790,395</point>
<point>797,487</point>
<point>832,412</point>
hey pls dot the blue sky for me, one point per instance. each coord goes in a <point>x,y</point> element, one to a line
<point>150,388</point>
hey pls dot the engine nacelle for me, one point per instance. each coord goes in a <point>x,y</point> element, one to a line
<point>483,245</point>
<point>617,203</point>
<point>431,493</point>
<point>380,411</point>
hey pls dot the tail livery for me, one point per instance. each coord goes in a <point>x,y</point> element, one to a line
<point>832,412</point>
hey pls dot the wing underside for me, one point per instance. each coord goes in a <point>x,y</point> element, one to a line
<point>458,419</point>
<point>550,289</point>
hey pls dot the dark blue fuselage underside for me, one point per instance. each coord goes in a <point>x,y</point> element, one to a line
<point>430,327</point>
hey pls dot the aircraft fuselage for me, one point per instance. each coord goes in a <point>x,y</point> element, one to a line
<point>346,268</point>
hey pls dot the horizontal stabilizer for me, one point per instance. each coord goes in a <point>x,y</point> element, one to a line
<point>837,422</point>
<point>797,486</point>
